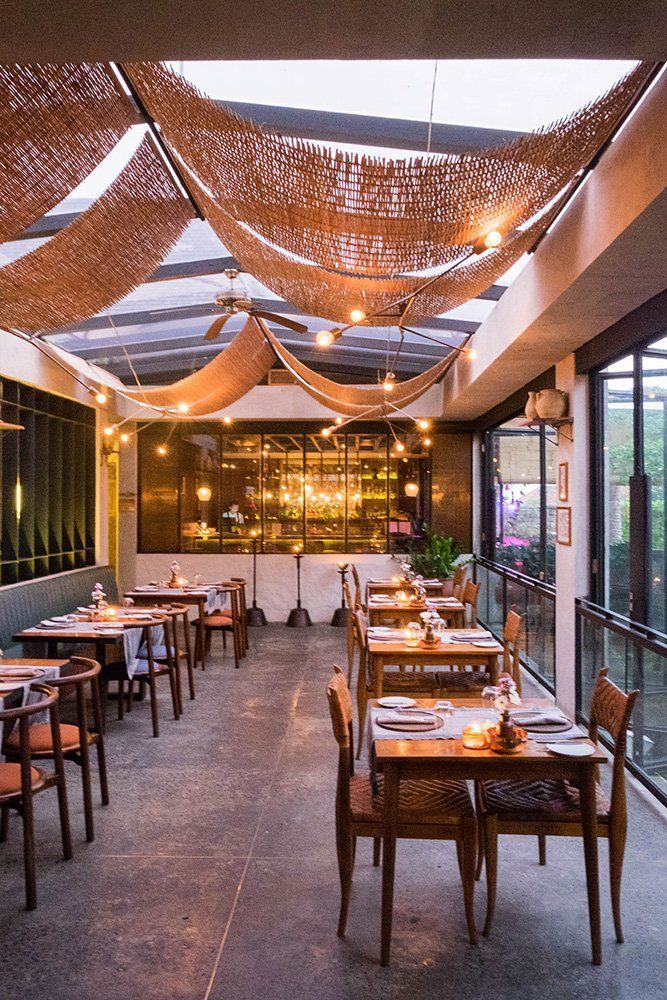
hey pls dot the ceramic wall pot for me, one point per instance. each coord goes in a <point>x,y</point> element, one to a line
<point>551,404</point>
<point>530,411</point>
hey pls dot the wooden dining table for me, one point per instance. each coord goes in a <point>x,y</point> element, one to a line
<point>401,613</point>
<point>402,760</point>
<point>389,587</point>
<point>388,653</point>
<point>170,595</point>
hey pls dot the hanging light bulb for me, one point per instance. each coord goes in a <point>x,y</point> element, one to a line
<point>389,382</point>
<point>226,421</point>
<point>338,421</point>
<point>423,425</point>
<point>204,494</point>
<point>108,431</point>
<point>400,447</point>
<point>325,432</point>
<point>101,397</point>
<point>411,488</point>
<point>493,239</point>
<point>357,315</point>
<point>426,442</point>
<point>125,437</point>
<point>183,408</point>
<point>324,338</point>
<point>161,449</point>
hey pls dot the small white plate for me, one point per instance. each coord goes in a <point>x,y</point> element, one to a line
<point>485,643</point>
<point>379,630</point>
<point>571,749</point>
<point>396,701</point>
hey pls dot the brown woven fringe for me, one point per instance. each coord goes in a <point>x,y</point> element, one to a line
<point>56,124</point>
<point>367,226</point>
<point>107,251</point>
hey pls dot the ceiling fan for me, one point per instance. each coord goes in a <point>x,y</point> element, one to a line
<point>235,300</point>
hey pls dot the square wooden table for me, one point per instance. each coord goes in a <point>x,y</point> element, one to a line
<point>402,614</point>
<point>388,587</point>
<point>172,595</point>
<point>401,760</point>
<point>456,654</point>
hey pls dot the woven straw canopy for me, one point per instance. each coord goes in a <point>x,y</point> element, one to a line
<point>331,231</point>
<point>106,252</point>
<point>56,124</point>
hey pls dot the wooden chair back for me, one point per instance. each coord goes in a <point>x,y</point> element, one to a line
<point>357,587</point>
<point>512,647</point>
<point>459,581</point>
<point>469,599</point>
<point>360,627</point>
<point>611,710</point>
<point>350,638</point>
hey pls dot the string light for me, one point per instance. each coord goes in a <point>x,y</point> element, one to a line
<point>101,398</point>
<point>357,315</point>
<point>400,447</point>
<point>125,437</point>
<point>338,421</point>
<point>226,421</point>
<point>161,449</point>
<point>423,424</point>
<point>493,239</point>
<point>108,431</point>
<point>324,338</point>
<point>326,431</point>
<point>183,408</point>
<point>426,442</point>
<point>389,382</point>
<point>471,353</point>
<point>411,489</point>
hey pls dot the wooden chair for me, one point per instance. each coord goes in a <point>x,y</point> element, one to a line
<point>358,598</point>
<point>428,810</point>
<point>471,682</point>
<point>350,632</point>
<point>168,654</point>
<point>20,782</point>
<point>551,808</point>
<point>79,677</point>
<point>415,685</point>
<point>469,600</point>
<point>150,668</point>
<point>460,574</point>
<point>243,609</point>
<point>228,620</point>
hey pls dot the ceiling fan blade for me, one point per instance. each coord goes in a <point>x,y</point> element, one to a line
<point>215,328</point>
<point>291,324</point>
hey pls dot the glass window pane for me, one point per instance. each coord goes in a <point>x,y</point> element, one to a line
<point>200,492</point>
<point>617,467</point>
<point>240,501</point>
<point>325,493</point>
<point>367,492</point>
<point>655,443</point>
<point>517,489</point>
<point>409,492</point>
<point>283,484</point>
<point>551,480</point>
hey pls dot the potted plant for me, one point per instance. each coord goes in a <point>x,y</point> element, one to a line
<point>435,557</point>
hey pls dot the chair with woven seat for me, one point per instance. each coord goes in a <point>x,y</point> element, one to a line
<point>460,574</point>
<point>20,781</point>
<point>428,810</point>
<point>471,682</point>
<point>79,677</point>
<point>415,685</point>
<point>242,584</point>
<point>227,621</point>
<point>469,597</point>
<point>551,808</point>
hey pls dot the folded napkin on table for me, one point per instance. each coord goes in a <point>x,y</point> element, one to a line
<point>546,718</point>
<point>406,719</point>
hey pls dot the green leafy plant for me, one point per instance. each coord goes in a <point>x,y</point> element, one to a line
<point>436,556</point>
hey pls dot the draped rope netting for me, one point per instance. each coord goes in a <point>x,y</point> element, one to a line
<point>57,123</point>
<point>112,247</point>
<point>334,231</point>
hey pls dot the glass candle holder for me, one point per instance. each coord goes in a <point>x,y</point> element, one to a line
<point>475,736</point>
<point>413,634</point>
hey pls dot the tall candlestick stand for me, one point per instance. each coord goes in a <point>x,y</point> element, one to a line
<point>341,614</point>
<point>254,615</point>
<point>298,616</point>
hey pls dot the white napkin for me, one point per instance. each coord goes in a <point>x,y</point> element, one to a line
<point>407,719</point>
<point>546,718</point>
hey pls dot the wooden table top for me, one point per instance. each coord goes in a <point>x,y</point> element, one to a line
<point>453,750</point>
<point>379,647</point>
<point>449,605</point>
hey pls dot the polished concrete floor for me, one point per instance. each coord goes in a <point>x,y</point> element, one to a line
<point>213,872</point>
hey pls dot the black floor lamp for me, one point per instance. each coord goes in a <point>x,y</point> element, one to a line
<point>341,614</point>
<point>298,616</point>
<point>254,615</point>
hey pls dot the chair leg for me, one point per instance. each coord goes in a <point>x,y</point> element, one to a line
<point>101,756</point>
<point>542,848</point>
<point>121,701</point>
<point>153,694</point>
<point>61,785</point>
<point>616,854</point>
<point>237,644</point>
<point>29,852</point>
<point>377,850</point>
<point>491,853</point>
<point>4,824</point>
<point>362,699</point>
<point>345,851</point>
<point>468,850</point>
<point>130,695</point>
<point>174,692</point>
<point>480,832</point>
<point>87,793</point>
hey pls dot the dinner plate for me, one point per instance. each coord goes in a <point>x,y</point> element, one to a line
<point>485,643</point>
<point>410,726</point>
<point>396,701</point>
<point>20,674</point>
<point>52,625</point>
<point>571,749</point>
<point>379,630</point>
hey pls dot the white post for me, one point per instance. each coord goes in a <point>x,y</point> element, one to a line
<point>572,561</point>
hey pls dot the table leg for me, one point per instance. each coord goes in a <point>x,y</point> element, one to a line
<point>590,833</point>
<point>377,669</point>
<point>391,786</point>
<point>200,635</point>
<point>493,668</point>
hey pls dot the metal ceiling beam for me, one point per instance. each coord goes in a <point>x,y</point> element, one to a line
<point>368,130</point>
<point>146,317</point>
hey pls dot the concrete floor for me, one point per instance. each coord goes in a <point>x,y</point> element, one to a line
<point>213,874</point>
